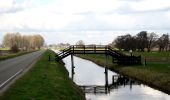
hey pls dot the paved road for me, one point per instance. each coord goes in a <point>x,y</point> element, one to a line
<point>11,67</point>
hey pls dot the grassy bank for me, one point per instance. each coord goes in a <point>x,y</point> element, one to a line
<point>155,74</point>
<point>4,48</point>
<point>12,55</point>
<point>47,80</point>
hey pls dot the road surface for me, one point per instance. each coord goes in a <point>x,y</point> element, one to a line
<point>10,68</point>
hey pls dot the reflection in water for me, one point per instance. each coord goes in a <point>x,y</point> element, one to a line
<point>120,81</point>
<point>92,79</point>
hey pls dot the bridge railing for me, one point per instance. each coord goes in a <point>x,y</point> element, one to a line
<point>64,51</point>
<point>118,57</point>
<point>89,48</point>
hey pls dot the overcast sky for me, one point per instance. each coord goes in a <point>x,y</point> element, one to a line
<point>93,21</point>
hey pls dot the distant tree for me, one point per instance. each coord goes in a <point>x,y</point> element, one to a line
<point>151,40</point>
<point>142,40</point>
<point>126,42</point>
<point>22,42</point>
<point>163,42</point>
<point>118,42</point>
<point>39,41</point>
<point>12,40</point>
<point>112,44</point>
<point>80,43</point>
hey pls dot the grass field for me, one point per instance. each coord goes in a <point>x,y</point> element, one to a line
<point>47,80</point>
<point>12,55</point>
<point>155,73</point>
<point>4,48</point>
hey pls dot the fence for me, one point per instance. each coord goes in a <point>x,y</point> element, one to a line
<point>156,60</point>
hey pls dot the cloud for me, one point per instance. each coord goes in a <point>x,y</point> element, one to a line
<point>88,22</point>
<point>130,10</point>
<point>12,6</point>
<point>83,16</point>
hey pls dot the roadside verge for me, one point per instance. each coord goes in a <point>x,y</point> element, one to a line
<point>4,57</point>
<point>44,81</point>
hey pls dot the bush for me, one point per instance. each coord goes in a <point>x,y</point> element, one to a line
<point>14,49</point>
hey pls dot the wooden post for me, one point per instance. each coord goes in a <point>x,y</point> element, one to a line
<point>106,71</point>
<point>145,62</point>
<point>130,84</point>
<point>73,49</point>
<point>105,49</point>
<point>72,66</point>
<point>84,48</point>
<point>113,79</point>
<point>94,90</point>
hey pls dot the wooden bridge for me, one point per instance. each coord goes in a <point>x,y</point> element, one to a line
<point>117,56</point>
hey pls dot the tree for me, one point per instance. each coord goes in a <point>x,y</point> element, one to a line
<point>151,40</point>
<point>23,42</point>
<point>142,40</point>
<point>80,43</point>
<point>12,40</point>
<point>126,42</point>
<point>163,42</point>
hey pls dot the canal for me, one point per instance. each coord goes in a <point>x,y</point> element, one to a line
<point>92,79</point>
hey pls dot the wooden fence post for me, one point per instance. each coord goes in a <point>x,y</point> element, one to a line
<point>145,62</point>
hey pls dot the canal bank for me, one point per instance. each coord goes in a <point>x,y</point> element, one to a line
<point>46,80</point>
<point>153,75</point>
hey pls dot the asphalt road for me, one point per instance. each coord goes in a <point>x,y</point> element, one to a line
<point>10,68</point>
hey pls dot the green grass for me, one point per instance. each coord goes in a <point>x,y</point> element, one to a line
<point>12,55</point>
<point>153,54</point>
<point>155,74</point>
<point>47,80</point>
<point>4,48</point>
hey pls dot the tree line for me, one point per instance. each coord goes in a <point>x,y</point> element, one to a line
<point>141,41</point>
<point>16,41</point>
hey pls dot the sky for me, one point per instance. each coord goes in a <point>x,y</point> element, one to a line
<point>93,21</point>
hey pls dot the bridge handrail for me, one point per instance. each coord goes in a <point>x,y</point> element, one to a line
<point>116,52</point>
<point>65,50</point>
<point>98,49</point>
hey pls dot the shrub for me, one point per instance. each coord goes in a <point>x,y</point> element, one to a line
<point>14,49</point>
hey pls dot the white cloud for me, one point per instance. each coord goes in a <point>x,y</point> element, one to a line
<point>146,5</point>
<point>11,6</point>
<point>83,15</point>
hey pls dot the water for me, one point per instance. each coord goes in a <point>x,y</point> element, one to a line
<point>91,78</point>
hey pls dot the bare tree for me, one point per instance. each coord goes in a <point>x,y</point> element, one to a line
<point>151,40</point>
<point>126,42</point>
<point>163,42</point>
<point>23,42</point>
<point>142,40</point>
<point>80,43</point>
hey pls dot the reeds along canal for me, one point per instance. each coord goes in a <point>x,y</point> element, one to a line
<point>92,79</point>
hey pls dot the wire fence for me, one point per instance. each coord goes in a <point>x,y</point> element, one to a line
<point>163,60</point>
